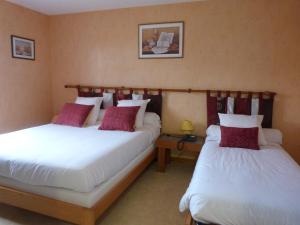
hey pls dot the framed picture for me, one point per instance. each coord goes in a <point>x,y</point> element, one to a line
<point>161,40</point>
<point>22,48</point>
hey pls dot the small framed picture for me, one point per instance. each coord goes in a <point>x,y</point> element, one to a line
<point>22,48</point>
<point>161,40</point>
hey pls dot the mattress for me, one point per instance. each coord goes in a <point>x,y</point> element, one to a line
<point>77,159</point>
<point>88,199</point>
<point>233,186</point>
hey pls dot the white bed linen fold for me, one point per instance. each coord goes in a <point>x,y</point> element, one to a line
<point>66,157</point>
<point>233,186</point>
<point>84,199</point>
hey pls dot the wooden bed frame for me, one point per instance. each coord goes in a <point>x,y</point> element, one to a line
<point>189,219</point>
<point>67,211</point>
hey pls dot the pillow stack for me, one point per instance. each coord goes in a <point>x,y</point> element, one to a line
<point>241,131</point>
<point>84,111</point>
<point>94,114</point>
<point>139,121</point>
<point>73,114</point>
<point>127,116</point>
<point>120,117</point>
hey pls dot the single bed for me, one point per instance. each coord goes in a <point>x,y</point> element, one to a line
<point>244,187</point>
<point>237,186</point>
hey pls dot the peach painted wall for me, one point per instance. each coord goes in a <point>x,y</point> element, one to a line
<point>25,85</point>
<point>232,44</point>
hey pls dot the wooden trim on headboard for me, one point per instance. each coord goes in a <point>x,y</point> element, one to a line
<point>183,90</point>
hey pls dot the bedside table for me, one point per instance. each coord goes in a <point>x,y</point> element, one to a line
<point>167,142</point>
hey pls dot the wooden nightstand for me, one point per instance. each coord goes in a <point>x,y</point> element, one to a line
<point>167,142</point>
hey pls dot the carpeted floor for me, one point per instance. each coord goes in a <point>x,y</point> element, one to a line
<point>152,200</point>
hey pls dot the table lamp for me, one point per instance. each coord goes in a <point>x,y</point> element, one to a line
<point>187,127</point>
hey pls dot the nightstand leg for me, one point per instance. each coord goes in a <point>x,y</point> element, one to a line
<point>161,159</point>
<point>168,156</point>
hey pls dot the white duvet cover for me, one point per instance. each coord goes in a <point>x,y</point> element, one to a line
<point>233,186</point>
<point>66,157</point>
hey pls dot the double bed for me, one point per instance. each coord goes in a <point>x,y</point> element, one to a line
<point>73,168</point>
<point>75,173</point>
<point>73,160</point>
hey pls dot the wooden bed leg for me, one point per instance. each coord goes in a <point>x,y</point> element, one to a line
<point>88,218</point>
<point>189,219</point>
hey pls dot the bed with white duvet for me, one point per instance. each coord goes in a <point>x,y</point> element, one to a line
<point>69,158</point>
<point>232,186</point>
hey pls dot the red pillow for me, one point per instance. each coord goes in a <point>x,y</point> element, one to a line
<point>119,118</point>
<point>73,114</point>
<point>239,137</point>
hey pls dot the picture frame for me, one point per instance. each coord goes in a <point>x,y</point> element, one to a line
<point>161,40</point>
<point>22,48</point>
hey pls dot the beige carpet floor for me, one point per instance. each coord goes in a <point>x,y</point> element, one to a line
<point>152,200</point>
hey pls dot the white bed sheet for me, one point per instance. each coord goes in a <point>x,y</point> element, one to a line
<point>78,159</point>
<point>88,199</point>
<point>244,187</point>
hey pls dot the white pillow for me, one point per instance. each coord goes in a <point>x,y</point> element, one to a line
<point>108,100</point>
<point>152,119</point>
<point>213,133</point>
<point>273,135</point>
<point>93,115</point>
<point>139,121</point>
<point>244,121</point>
<point>101,114</point>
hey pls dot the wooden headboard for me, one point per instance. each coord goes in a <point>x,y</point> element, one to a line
<point>217,102</point>
<point>216,99</point>
<point>155,105</point>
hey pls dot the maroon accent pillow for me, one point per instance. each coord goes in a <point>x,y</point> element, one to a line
<point>73,114</point>
<point>119,118</point>
<point>239,137</point>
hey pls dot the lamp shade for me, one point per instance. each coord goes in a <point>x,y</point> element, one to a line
<point>187,127</point>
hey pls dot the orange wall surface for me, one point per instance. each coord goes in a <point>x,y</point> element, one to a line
<point>25,85</point>
<point>239,45</point>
